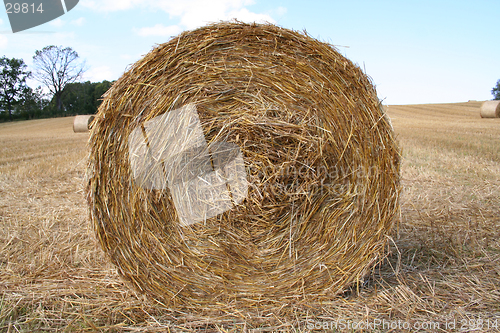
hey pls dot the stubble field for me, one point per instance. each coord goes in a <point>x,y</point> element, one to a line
<point>442,272</point>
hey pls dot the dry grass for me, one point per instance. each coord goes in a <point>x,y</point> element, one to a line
<point>446,266</point>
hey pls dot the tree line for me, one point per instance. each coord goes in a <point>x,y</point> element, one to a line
<point>59,71</point>
<point>496,91</point>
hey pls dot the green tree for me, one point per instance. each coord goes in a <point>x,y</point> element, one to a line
<point>78,98</point>
<point>496,91</point>
<point>84,97</point>
<point>32,103</point>
<point>99,91</point>
<point>56,67</point>
<point>13,75</point>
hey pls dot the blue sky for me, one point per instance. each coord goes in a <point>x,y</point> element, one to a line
<point>416,51</point>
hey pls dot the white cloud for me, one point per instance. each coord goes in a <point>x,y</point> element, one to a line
<point>280,11</point>
<point>191,13</point>
<point>159,30</point>
<point>109,5</point>
<point>195,13</point>
<point>98,74</point>
<point>78,22</point>
<point>3,41</point>
<point>245,15</point>
<point>57,23</point>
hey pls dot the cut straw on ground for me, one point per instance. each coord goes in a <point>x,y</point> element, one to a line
<point>442,268</point>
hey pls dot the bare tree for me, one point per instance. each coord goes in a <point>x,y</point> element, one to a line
<point>55,67</point>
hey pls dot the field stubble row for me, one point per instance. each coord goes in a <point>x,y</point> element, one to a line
<point>443,263</point>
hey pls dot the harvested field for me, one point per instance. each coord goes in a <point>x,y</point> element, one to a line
<point>443,267</point>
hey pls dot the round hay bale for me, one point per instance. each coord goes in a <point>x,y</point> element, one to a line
<point>245,163</point>
<point>490,109</point>
<point>82,123</point>
<point>385,109</point>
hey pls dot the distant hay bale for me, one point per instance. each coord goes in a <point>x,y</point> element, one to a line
<point>242,163</point>
<point>490,109</point>
<point>82,123</point>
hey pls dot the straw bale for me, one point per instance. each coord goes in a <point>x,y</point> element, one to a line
<point>242,164</point>
<point>490,109</point>
<point>82,123</point>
